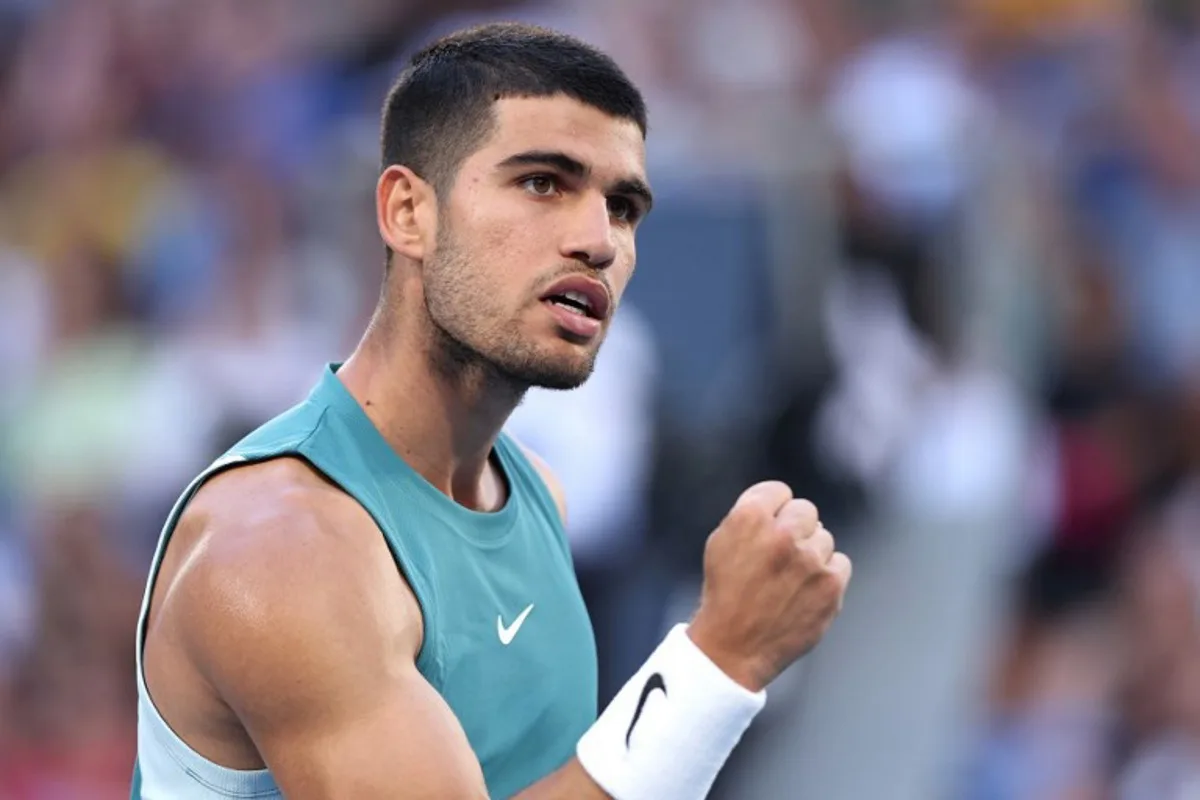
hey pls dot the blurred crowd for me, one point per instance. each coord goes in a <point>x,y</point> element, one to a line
<point>939,255</point>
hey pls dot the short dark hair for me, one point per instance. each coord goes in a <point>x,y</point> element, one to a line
<point>440,108</point>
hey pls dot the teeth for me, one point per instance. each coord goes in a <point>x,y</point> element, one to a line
<point>572,309</point>
<point>578,297</point>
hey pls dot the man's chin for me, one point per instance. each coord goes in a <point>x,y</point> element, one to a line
<point>562,382</point>
<point>554,374</point>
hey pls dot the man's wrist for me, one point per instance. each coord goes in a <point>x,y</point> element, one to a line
<point>739,669</point>
<point>668,731</point>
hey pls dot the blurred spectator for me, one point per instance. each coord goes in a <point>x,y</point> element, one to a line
<point>72,701</point>
<point>187,234</point>
<point>1160,734</point>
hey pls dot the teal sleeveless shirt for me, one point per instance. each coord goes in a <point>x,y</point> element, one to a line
<point>508,643</point>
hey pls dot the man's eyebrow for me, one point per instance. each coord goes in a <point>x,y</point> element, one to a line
<point>635,187</point>
<point>547,158</point>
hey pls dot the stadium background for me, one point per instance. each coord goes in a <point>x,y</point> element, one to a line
<point>936,262</point>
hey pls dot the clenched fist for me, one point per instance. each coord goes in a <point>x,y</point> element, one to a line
<point>773,583</point>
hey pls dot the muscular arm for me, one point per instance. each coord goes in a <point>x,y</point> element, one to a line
<point>305,628</point>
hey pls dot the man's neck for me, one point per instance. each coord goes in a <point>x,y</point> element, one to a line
<point>443,422</point>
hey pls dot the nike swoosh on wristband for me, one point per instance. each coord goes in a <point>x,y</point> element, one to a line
<point>655,681</point>
<point>507,634</point>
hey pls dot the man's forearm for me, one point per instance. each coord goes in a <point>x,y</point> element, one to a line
<point>570,782</point>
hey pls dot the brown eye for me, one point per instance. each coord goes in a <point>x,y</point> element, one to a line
<point>622,209</point>
<point>540,185</point>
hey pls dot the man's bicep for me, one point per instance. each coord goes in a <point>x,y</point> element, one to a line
<point>394,741</point>
<point>307,631</point>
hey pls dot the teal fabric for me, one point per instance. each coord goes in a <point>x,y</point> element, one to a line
<point>523,704</point>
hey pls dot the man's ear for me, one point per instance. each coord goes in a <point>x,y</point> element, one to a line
<point>406,212</point>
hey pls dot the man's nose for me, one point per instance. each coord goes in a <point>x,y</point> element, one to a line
<point>590,237</point>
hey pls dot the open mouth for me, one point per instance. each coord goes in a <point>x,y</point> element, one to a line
<point>575,302</point>
<point>581,296</point>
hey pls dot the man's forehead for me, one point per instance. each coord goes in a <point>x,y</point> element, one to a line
<point>561,123</point>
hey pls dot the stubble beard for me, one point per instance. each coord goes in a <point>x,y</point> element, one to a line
<point>470,344</point>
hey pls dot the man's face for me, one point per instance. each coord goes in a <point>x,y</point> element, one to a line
<point>535,241</point>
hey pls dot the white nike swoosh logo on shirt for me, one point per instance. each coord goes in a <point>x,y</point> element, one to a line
<point>509,633</point>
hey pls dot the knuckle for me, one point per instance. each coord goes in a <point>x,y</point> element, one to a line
<point>737,517</point>
<point>747,515</point>
<point>806,510</point>
<point>808,559</point>
<point>834,588</point>
<point>775,488</point>
<point>829,549</point>
<point>773,493</point>
<point>843,567</point>
<point>800,518</point>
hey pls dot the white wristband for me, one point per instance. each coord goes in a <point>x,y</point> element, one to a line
<point>668,732</point>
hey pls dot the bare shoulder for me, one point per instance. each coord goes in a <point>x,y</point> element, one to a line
<point>275,526</point>
<point>281,572</point>
<point>549,478</point>
<point>302,638</point>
